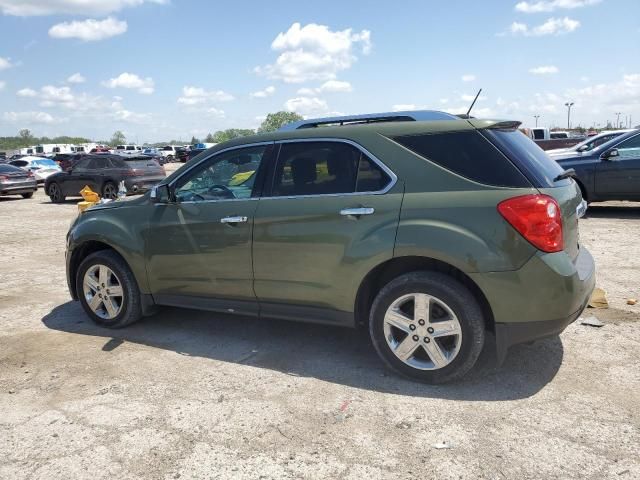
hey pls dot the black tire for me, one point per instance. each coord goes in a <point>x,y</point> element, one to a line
<point>55,193</point>
<point>170,158</point>
<point>110,190</point>
<point>461,302</point>
<point>27,195</point>
<point>131,306</point>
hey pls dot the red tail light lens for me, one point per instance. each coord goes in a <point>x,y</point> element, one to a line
<point>537,218</point>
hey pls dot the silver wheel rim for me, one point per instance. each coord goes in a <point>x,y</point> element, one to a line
<point>422,331</point>
<point>103,291</point>
<point>110,191</point>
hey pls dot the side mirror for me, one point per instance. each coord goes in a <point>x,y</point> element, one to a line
<point>611,154</point>
<point>161,194</point>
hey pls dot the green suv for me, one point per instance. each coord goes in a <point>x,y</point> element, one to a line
<point>429,230</point>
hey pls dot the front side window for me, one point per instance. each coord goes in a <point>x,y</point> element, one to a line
<point>630,148</point>
<point>325,168</point>
<point>229,175</point>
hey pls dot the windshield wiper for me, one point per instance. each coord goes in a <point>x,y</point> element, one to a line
<point>568,173</point>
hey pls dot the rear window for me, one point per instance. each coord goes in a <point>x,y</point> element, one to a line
<point>138,164</point>
<point>529,157</point>
<point>468,154</point>
<point>9,169</point>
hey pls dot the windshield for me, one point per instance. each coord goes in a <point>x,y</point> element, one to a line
<point>45,163</point>
<point>593,142</point>
<point>615,141</point>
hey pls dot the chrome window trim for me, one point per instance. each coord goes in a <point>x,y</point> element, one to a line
<point>392,176</point>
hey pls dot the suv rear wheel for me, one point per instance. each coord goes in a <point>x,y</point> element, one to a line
<point>427,326</point>
<point>108,291</point>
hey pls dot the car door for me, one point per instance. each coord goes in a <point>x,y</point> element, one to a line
<point>618,177</point>
<point>74,180</point>
<point>330,215</point>
<point>198,244</point>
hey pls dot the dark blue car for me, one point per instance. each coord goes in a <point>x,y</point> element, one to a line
<point>610,171</point>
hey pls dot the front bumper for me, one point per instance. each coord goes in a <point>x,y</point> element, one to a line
<point>539,300</point>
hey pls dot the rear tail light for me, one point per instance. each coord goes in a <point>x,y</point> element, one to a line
<point>537,218</point>
<point>3,178</point>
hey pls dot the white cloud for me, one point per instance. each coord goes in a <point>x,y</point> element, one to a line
<point>468,77</point>
<point>330,86</point>
<point>623,95</point>
<point>215,112</point>
<point>553,26</point>
<point>552,5</point>
<point>544,70</point>
<point>444,101</point>
<point>199,96</point>
<point>401,107</point>
<point>27,92</point>
<point>27,8</point>
<point>469,98</point>
<point>89,30</point>
<point>27,118</point>
<point>131,117</point>
<point>484,112</point>
<point>131,81</point>
<point>76,78</point>
<point>267,92</point>
<point>307,106</point>
<point>314,52</point>
<point>5,63</point>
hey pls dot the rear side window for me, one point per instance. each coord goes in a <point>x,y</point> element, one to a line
<point>468,154</point>
<point>10,169</point>
<point>529,157</point>
<point>325,168</point>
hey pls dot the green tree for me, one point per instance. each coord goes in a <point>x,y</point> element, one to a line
<point>118,138</point>
<point>25,134</point>
<point>231,133</point>
<point>194,140</point>
<point>209,138</point>
<point>276,120</point>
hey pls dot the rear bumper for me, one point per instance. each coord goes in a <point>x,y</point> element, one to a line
<point>539,300</point>
<point>17,189</point>
<point>141,184</point>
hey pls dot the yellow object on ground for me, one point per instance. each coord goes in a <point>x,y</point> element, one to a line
<point>598,299</point>
<point>90,198</point>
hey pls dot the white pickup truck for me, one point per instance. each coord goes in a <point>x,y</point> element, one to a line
<point>128,150</point>
<point>168,152</point>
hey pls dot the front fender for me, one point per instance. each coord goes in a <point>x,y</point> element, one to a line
<point>120,229</point>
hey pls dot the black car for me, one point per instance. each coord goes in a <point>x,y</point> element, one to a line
<point>15,181</point>
<point>182,154</point>
<point>102,173</point>
<point>67,160</point>
<point>610,171</point>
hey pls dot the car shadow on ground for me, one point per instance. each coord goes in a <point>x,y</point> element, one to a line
<point>619,211</point>
<point>338,355</point>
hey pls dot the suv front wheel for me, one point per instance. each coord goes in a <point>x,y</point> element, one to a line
<point>108,291</point>
<point>427,326</point>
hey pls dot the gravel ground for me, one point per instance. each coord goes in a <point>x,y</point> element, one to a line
<point>189,394</point>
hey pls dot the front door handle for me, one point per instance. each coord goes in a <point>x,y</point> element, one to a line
<point>356,212</point>
<point>233,220</point>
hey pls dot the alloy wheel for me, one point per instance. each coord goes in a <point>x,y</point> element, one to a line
<point>422,331</point>
<point>103,291</point>
<point>110,191</point>
<point>54,192</point>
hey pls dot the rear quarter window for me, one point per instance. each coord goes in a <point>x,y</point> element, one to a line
<point>468,154</point>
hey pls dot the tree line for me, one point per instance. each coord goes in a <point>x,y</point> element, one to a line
<point>272,122</point>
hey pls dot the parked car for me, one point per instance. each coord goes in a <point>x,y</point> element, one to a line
<point>128,150</point>
<point>182,154</point>
<point>610,171</point>
<point>15,181</point>
<point>41,168</point>
<point>103,173</point>
<point>154,153</point>
<point>426,229</point>
<point>169,152</point>
<point>194,152</point>
<point>589,144</point>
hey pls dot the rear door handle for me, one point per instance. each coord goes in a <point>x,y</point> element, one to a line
<point>233,220</point>
<point>356,212</point>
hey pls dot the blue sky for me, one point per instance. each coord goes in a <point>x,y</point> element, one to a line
<point>161,69</point>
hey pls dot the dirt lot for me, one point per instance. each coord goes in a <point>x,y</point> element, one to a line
<point>188,394</point>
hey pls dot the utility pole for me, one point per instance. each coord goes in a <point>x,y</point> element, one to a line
<point>536,117</point>
<point>618,120</point>
<point>568,105</point>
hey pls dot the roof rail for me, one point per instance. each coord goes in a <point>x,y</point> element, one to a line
<point>404,116</point>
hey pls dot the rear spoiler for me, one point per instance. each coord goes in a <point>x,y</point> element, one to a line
<point>495,125</point>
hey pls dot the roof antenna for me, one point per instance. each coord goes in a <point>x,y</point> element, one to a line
<point>473,103</point>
